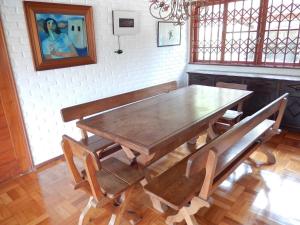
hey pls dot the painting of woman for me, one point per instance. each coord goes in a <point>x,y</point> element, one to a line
<point>62,36</point>
<point>57,44</point>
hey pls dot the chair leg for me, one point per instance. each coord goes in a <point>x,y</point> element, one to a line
<point>187,212</point>
<point>189,219</point>
<point>112,219</point>
<point>123,206</point>
<point>158,205</point>
<point>171,220</point>
<point>133,217</point>
<point>85,217</point>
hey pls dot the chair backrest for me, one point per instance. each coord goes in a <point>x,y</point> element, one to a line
<point>73,148</point>
<point>231,85</point>
<point>206,157</point>
<point>82,110</point>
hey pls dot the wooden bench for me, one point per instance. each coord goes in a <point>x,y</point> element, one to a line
<point>101,147</point>
<point>187,186</point>
<point>112,182</point>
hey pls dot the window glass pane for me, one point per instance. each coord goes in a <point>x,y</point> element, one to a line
<point>282,34</point>
<point>210,27</point>
<point>280,43</point>
<point>242,24</point>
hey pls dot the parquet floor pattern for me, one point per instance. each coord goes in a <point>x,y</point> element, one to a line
<point>269,195</point>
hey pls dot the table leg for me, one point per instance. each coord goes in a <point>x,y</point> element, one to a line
<point>193,141</point>
<point>211,134</point>
<point>129,153</point>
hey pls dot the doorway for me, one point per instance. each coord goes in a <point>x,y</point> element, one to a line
<point>15,155</point>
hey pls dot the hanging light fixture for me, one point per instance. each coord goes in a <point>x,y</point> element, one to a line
<point>176,11</point>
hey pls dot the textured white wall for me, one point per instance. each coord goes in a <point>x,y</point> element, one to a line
<point>43,94</point>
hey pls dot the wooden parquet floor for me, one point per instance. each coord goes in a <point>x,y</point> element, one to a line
<point>269,195</point>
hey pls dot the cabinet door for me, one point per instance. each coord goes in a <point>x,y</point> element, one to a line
<point>201,79</point>
<point>292,114</point>
<point>265,91</point>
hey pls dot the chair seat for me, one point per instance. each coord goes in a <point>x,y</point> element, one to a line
<point>231,115</point>
<point>173,188</point>
<point>116,176</point>
<point>127,173</point>
<point>95,143</point>
<point>111,185</point>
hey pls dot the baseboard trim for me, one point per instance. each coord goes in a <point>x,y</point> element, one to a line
<point>50,161</point>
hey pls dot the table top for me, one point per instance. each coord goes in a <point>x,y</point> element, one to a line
<point>152,124</point>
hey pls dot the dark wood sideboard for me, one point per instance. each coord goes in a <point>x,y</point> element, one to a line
<point>266,88</point>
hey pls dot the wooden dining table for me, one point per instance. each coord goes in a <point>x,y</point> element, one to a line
<point>155,126</point>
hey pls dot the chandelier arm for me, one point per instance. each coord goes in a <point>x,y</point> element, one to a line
<point>154,6</point>
<point>176,11</point>
<point>166,17</point>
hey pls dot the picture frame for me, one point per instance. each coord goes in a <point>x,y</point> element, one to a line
<point>61,35</point>
<point>168,34</point>
<point>125,22</point>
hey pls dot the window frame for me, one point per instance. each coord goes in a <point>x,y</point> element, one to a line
<point>260,36</point>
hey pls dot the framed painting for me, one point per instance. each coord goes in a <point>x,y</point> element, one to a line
<point>168,34</point>
<point>60,35</point>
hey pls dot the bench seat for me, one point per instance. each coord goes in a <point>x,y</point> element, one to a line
<point>95,143</point>
<point>165,186</point>
<point>245,142</point>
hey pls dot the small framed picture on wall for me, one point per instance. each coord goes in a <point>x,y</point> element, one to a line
<point>125,22</point>
<point>60,35</point>
<point>168,34</point>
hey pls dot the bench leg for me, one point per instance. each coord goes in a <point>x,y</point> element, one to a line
<point>271,160</point>
<point>270,157</point>
<point>187,212</point>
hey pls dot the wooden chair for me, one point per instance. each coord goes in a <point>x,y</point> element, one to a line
<point>232,116</point>
<point>112,182</point>
<point>187,186</point>
<point>101,147</point>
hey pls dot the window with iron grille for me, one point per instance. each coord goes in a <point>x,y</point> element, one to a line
<point>246,32</point>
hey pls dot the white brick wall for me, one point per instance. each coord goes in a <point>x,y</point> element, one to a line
<point>43,94</point>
